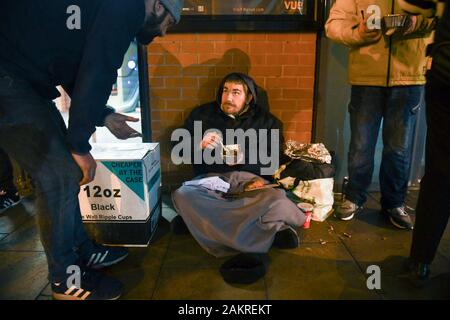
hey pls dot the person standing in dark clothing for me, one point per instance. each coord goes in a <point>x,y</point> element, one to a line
<point>433,206</point>
<point>78,44</point>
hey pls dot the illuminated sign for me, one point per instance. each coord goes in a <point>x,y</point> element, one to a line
<point>245,7</point>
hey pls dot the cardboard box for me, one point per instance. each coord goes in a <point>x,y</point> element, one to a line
<point>122,205</point>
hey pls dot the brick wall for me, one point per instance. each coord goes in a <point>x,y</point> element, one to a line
<point>185,70</point>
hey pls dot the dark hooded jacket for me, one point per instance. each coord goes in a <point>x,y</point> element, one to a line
<point>212,117</point>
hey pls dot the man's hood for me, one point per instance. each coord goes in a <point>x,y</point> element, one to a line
<point>250,84</point>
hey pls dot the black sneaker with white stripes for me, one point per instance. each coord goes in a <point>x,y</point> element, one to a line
<point>103,256</point>
<point>8,200</point>
<point>92,286</point>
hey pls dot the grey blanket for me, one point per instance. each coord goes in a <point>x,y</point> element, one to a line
<point>244,222</point>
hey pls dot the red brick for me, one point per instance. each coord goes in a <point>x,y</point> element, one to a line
<point>159,71</point>
<point>215,37</point>
<point>302,137</point>
<point>299,47</point>
<point>307,59</point>
<point>172,93</point>
<point>297,116</point>
<point>181,104</point>
<point>182,82</point>
<point>305,103</point>
<point>208,82</point>
<point>167,117</point>
<point>155,59</point>
<point>260,81</point>
<point>265,48</point>
<point>281,82</point>
<point>223,46</point>
<point>274,94</point>
<point>289,126</point>
<point>209,59</point>
<point>298,71</point>
<point>198,71</point>
<point>184,59</point>
<point>303,126</point>
<point>255,60</point>
<point>284,104</point>
<point>197,47</point>
<point>198,94</point>
<point>306,83</point>
<point>156,82</point>
<point>250,37</point>
<point>284,37</point>
<point>167,47</point>
<point>308,37</point>
<point>222,71</point>
<point>282,59</point>
<point>297,93</point>
<point>266,71</point>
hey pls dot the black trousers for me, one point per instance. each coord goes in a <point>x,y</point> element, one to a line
<point>6,173</point>
<point>433,207</point>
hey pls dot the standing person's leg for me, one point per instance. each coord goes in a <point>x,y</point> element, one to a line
<point>8,192</point>
<point>33,136</point>
<point>433,207</point>
<point>398,128</point>
<point>33,133</point>
<point>6,173</point>
<point>365,110</point>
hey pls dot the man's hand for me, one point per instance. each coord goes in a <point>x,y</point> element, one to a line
<point>87,165</point>
<point>211,140</point>
<point>117,124</point>
<point>367,34</point>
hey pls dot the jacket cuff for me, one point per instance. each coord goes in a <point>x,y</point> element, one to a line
<point>79,143</point>
<point>106,112</point>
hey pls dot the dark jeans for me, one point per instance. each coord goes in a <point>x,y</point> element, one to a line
<point>433,206</point>
<point>6,173</point>
<point>32,132</point>
<point>397,107</point>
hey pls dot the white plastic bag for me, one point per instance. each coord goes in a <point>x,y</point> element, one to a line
<point>319,192</point>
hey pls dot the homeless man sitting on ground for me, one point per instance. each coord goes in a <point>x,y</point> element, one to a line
<point>240,220</point>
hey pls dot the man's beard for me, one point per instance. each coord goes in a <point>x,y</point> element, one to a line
<point>151,29</point>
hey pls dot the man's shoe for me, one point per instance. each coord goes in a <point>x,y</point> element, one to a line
<point>418,273</point>
<point>93,286</point>
<point>399,218</point>
<point>105,256</point>
<point>347,210</point>
<point>8,200</point>
<point>286,239</point>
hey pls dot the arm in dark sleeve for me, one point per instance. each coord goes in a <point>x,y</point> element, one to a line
<point>110,35</point>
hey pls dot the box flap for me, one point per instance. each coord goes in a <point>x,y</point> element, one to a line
<point>121,151</point>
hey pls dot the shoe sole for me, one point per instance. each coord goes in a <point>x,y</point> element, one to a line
<point>108,264</point>
<point>66,297</point>
<point>347,218</point>
<point>351,216</point>
<point>398,225</point>
<point>11,206</point>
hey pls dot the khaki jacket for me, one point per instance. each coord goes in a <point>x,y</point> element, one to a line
<point>390,61</point>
